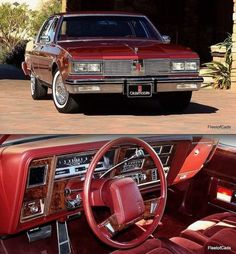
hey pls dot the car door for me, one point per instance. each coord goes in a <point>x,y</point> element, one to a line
<point>44,58</point>
<point>48,51</point>
<point>36,48</point>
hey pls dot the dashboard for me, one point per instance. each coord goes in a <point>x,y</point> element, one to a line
<point>48,175</point>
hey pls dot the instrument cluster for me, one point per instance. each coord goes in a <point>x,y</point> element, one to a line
<point>77,164</point>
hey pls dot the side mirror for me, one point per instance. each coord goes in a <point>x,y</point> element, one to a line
<point>45,39</point>
<point>166,39</point>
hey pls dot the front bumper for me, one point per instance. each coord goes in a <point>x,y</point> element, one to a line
<point>119,85</point>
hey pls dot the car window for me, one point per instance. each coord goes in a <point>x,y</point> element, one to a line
<point>224,140</point>
<point>52,29</point>
<point>106,26</point>
<point>45,29</point>
<point>228,140</point>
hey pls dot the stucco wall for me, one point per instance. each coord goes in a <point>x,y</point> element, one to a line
<point>233,72</point>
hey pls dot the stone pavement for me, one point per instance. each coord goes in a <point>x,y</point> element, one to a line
<point>210,112</point>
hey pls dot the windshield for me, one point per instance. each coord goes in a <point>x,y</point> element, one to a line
<point>107,27</point>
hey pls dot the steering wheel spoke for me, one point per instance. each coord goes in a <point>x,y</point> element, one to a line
<point>151,207</point>
<point>96,199</point>
<point>110,226</point>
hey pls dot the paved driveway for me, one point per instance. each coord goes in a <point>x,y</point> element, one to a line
<point>210,112</point>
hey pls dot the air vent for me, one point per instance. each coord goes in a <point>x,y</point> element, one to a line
<point>37,175</point>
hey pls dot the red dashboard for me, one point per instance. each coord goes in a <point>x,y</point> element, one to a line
<point>42,180</point>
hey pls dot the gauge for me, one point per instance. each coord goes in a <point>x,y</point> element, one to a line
<point>77,164</point>
<point>133,165</point>
<point>74,160</point>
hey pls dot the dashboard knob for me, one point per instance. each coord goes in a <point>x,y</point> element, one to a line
<point>73,203</point>
<point>67,192</point>
<point>34,208</point>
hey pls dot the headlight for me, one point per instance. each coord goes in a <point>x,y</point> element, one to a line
<point>185,66</point>
<point>178,66</point>
<point>191,66</point>
<point>87,67</point>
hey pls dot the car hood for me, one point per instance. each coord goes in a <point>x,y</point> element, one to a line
<point>125,49</point>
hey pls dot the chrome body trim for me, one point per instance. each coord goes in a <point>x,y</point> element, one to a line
<point>118,85</point>
<point>135,67</point>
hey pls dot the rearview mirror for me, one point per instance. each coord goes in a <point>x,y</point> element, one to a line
<point>166,39</point>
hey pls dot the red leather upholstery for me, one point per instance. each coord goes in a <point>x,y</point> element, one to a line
<point>152,246</point>
<point>203,230</point>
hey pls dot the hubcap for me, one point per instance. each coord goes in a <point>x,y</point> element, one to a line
<point>61,93</point>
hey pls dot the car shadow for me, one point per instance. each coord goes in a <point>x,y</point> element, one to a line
<point>11,72</point>
<point>139,108</point>
<point>103,107</point>
<point>47,98</point>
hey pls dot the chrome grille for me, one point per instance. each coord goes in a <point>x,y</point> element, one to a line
<point>156,67</point>
<point>117,67</point>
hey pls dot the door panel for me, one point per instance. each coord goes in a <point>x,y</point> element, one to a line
<point>222,170</point>
<point>47,55</point>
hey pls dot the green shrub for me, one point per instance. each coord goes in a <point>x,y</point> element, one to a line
<point>16,56</point>
<point>18,25</point>
<point>227,43</point>
<point>221,72</point>
<point>49,8</point>
<point>14,25</point>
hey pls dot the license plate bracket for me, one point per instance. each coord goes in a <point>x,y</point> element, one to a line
<point>139,90</point>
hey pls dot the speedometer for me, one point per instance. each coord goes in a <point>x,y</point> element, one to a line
<point>77,164</point>
<point>74,160</point>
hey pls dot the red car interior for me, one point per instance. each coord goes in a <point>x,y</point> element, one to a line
<point>110,194</point>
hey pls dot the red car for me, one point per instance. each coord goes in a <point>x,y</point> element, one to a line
<point>108,194</point>
<point>109,53</point>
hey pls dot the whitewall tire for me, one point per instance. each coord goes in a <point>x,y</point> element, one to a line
<point>63,101</point>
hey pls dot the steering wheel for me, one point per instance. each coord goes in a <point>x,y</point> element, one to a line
<point>123,197</point>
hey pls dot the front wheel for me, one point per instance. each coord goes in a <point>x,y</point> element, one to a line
<point>38,91</point>
<point>174,101</point>
<point>64,102</point>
